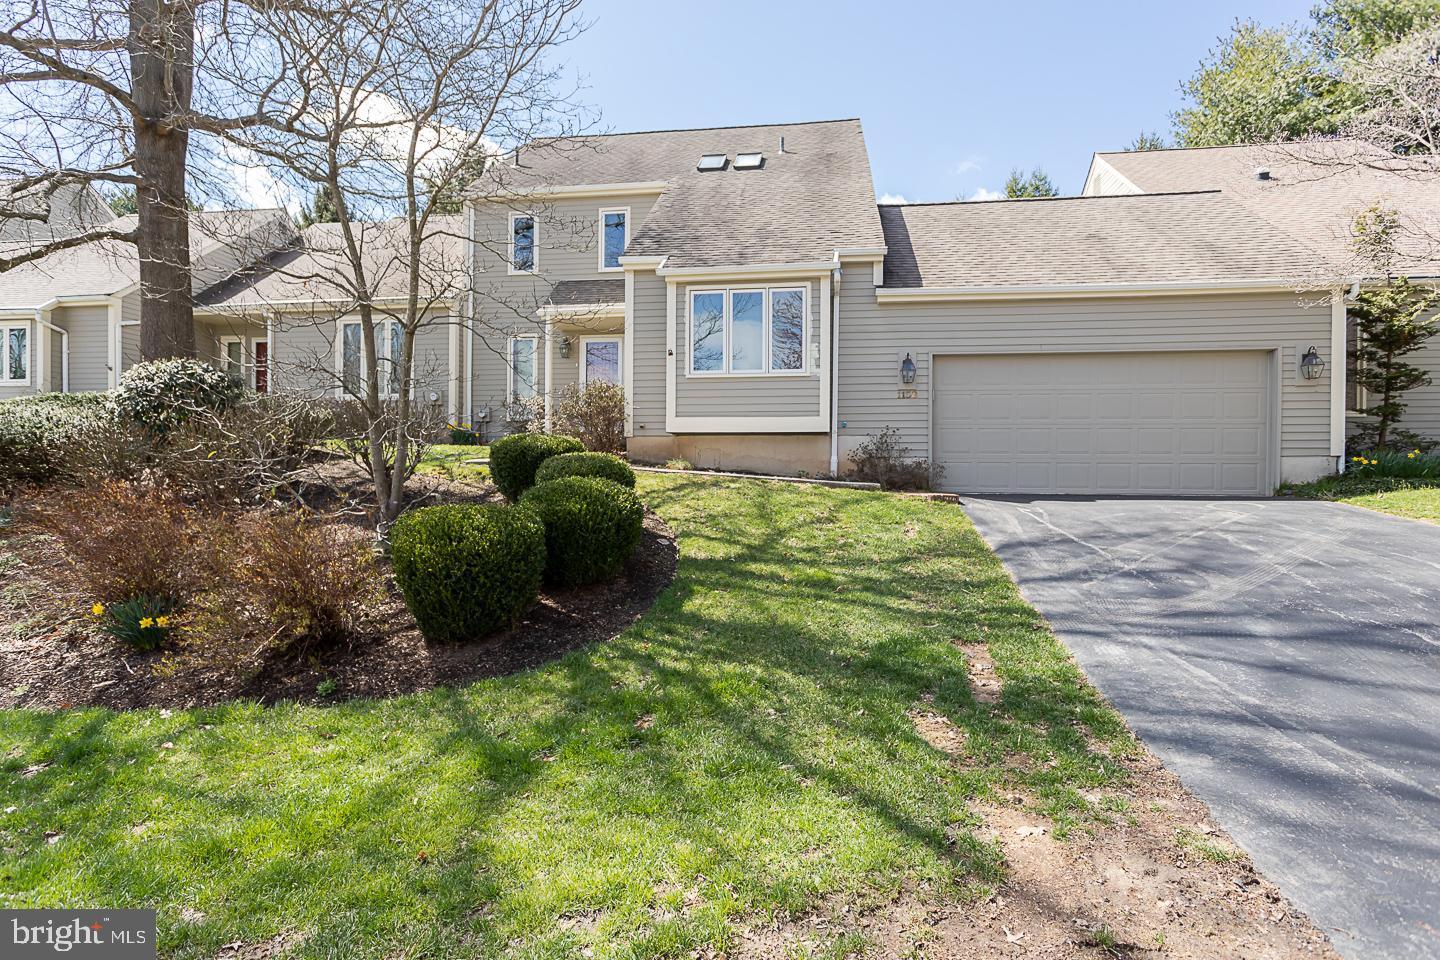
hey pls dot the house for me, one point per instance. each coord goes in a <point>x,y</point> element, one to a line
<point>69,322</point>
<point>1179,328</point>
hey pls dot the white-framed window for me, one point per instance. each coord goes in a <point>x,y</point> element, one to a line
<point>600,360</point>
<point>350,359</point>
<point>524,243</point>
<point>522,354</point>
<point>14,353</point>
<point>614,234</point>
<point>233,360</point>
<point>749,331</point>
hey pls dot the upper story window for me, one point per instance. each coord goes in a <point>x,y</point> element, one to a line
<point>524,250</point>
<point>614,234</point>
<point>748,331</point>
<point>15,354</point>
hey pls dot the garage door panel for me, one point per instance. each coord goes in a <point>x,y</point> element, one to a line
<point>1159,423</point>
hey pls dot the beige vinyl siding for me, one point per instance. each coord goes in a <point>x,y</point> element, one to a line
<point>303,356</point>
<point>1422,404</point>
<point>647,349</point>
<point>713,395</point>
<point>874,338</point>
<point>89,329</point>
<point>129,331</point>
<point>505,304</point>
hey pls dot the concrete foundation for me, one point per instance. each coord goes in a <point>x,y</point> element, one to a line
<point>783,454</point>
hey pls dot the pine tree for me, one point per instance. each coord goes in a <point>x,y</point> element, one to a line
<point>1023,186</point>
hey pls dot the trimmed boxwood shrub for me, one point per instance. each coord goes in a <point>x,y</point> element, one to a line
<point>514,459</point>
<point>161,394</point>
<point>605,465</point>
<point>592,526</point>
<point>467,570</point>
<point>36,432</point>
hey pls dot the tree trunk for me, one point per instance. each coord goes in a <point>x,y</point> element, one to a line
<point>162,39</point>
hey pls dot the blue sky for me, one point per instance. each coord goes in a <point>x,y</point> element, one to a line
<point>952,95</point>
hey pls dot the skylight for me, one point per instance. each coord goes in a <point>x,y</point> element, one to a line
<point>712,161</point>
<point>748,161</point>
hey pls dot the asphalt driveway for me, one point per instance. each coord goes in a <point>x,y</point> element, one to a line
<point>1283,658</point>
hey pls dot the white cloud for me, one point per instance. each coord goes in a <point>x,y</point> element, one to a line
<point>969,165</point>
<point>983,194</point>
<point>892,198</point>
<point>251,184</point>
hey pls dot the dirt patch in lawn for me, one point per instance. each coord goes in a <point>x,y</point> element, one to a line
<point>1154,878</point>
<point>53,656</point>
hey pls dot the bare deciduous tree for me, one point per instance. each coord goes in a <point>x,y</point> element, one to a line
<point>392,105</point>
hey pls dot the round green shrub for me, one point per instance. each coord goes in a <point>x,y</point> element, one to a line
<point>605,465</point>
<point>592,526</point>
<point>467,570</point>
<point>514,459</point>
<point>161,394</point>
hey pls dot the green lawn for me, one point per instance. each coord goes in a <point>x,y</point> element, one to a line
<point>1403,498</point>
<point>449,460</point>
<point>743,750</point>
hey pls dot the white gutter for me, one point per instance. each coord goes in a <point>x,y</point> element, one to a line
<point>835,373</point>
<point>927,294</point>
<point>40,314</point>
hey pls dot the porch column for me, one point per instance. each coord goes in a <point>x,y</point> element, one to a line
<point>548,376</point>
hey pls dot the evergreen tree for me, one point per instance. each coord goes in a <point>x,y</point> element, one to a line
<point>1036,183</point>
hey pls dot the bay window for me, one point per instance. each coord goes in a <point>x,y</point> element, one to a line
<point>760,330</point>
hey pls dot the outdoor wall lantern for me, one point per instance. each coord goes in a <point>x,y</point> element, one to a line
<point>1311,366</point>
<point>564,348</point>
<point>907,370</point>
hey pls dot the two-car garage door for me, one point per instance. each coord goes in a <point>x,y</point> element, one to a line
<point>1193,423</point>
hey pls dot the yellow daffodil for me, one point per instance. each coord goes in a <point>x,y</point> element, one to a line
<point>98,609</point>
<point>1410,456</point>
<point>162,621</point>
<point>146,623</point>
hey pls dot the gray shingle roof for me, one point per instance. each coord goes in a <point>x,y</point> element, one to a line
<point>316,268</point>
<point>1135,239</point>
<point>105,267</point>
<point>800,206</point>
<point>1314,193</point>
<point>584,293</point>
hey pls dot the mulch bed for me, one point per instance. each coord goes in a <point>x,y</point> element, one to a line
<point>53,656</point>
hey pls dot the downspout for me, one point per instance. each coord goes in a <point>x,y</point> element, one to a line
<point>40,318</point>
<point>467,329</point>
<point>835,372</point>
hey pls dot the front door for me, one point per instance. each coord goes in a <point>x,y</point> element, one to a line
<point>599,360</point>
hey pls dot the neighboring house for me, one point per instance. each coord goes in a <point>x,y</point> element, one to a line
<point>70,320</point>
<point>30,218</point>
<point>289,321</point>
<point>1311,193</point>
<point>763,313</point>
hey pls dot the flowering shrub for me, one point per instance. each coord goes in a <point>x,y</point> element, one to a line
<point>142,622</point>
